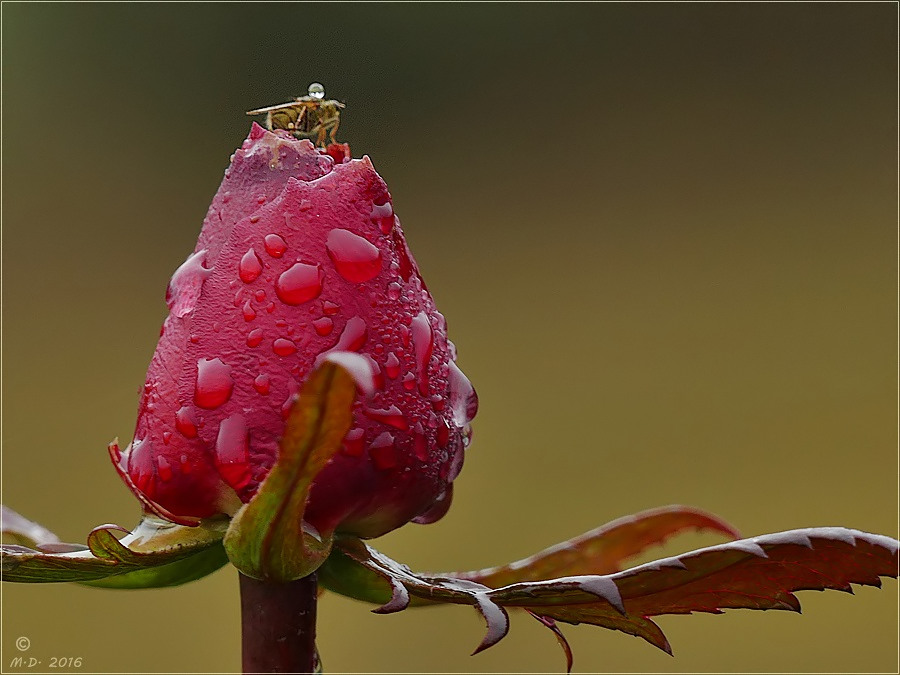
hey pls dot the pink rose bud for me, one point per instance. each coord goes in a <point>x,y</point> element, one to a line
<point>299,257</point>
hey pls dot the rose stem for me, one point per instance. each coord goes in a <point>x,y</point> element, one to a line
<point>278,626</point>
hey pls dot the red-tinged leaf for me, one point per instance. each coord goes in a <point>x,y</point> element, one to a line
<point>602,550</point>
<point>758,573</point>
<point>268,537</point>
<point>560,638</point>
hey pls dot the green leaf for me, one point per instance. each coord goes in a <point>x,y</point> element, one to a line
<point>268,538</point>
<point>176,573</point>
<point>156,553</point>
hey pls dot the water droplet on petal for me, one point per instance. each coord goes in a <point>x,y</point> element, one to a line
<point>255,337</point>
<point>438,509</point>
<point>355,258</point>
<point>443,434</point>
<point>404,263</point>
<point>391,416</point>
<point>260,295</point>
<point>423,340</point>
<point>275,245</point>
<point>284,347</point>
<point>393,290</point>
<point>262,384</point>
<point>250,267</point>
<point>383,452</point>
<point>167,436</point>
<point>354,443</point>
<point>140,466</point>
<point>185,464</point>
<point>163,468</point>
<point>248,311</point>
<point>185,423</point>
<point>330,309</point>
<point>323,326</point>
<point>184,286</point>
<point>420,443</point>
<point>299,284</point>
<point>392,365</point>
<point>353,336</point>
<point>385,210</point>
<point>409,382</point>
<point>463,399</point>
<point>214,383</point>
<point>232,452</point>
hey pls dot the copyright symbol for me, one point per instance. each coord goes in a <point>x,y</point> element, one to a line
<point>23,644</point>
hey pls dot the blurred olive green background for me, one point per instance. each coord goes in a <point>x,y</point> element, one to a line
<point>664,237</point>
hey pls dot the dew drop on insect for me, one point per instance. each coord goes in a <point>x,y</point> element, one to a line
<point>214,383</point>
<point>250,267</point>
<point>323,326</point>
<point>262,384</point>
<point>354,257</point>
<point>185,423</point>
<point>300,283</point>
<point>275,245</point>
<point>391,416</point>
<point>383,452</point>
<point>392,365</point>
<point>353,443</point>
<point>232,456</point>
<point>163,468</point>
<point>316,91</point>
<point>284,347</point>
<point>254,337</point>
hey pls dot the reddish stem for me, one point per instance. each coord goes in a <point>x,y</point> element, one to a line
<point>278,626</point>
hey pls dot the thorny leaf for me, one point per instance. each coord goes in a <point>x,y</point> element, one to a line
<point>602,550</point>
<point>268,538</point>
<point>757,573</point>
<point>156,553</point>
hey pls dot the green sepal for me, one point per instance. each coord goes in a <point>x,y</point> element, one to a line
<point>155,554</point>
<point>268,538</point>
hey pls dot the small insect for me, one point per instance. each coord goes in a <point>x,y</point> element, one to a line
<point>309,116</point>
